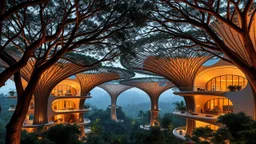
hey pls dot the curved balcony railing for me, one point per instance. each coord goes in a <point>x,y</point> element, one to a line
<point>180,132</point>
<point>64,111</point>
<point>29,124</point>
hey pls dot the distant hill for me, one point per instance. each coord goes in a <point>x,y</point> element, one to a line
<point>101,99</point>
<point>132,110</point>
<point>133,100</point>
<point>5,104</point>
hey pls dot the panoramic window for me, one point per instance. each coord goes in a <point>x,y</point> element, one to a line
<point>63,90</point>
<point>63,105</point>
<point>226,83</point>
<point>218,106</point>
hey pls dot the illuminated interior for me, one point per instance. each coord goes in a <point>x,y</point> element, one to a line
<point>218,106</point>
<point>221,83</point>
<point>204,124</point>
<point>70,118</point>
<point>63,90</point>
<point>63,105</point>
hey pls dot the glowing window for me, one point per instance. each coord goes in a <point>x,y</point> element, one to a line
<point>223,83</point>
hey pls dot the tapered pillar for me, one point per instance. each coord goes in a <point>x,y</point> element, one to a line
<point>154,87</point>
<point>114,89</point>
<point>49,79</point>
<point>90,79</point>
<point>178,65</point>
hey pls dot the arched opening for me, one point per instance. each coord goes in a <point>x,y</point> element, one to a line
<point>133,101</point>
<point>166,100</point>
<point>63,90</point>
<point>226,82</point>
<point>100,100</point>
<point>63,105</point>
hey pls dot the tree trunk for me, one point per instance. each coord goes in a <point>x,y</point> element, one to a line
<point>13,128</point>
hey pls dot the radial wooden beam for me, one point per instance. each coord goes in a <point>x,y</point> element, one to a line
<point>90,79</point>
<point>49,79</point>
<point>179,65</point>
<point>153,87</point>
<point>114,89</point>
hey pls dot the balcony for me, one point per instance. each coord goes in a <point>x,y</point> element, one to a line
<point>86,121</point>
<point>29,124</point>
<point>72,121</point>
<point>145,127</point>
<point>65,111</point>
<point>198,93</point>
<point>72,97</point>
<point>87,130</point>
<point>210,118</point>
<point>180,132</point>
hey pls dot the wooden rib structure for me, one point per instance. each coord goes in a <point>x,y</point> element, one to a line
<point>114,89</point>
<point>179,65</point>
<point>49,79</point>
<point>234,40</point>
<point>90,79</point>
<point>154,87</point>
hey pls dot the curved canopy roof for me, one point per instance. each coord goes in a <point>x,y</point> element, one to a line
<point>162,57</point>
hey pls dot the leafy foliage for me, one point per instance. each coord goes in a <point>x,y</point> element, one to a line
<point>106,131</point>
<point>238,129</point>
<point>58,134</point>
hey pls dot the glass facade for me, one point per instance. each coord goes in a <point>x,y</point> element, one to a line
<point>218,106</point>
<point>222,83</point>
<point>63,105</point>
<point>63,90</point>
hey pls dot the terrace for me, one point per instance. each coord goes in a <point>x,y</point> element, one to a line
<point>198,116</point>
<point>71,110</point>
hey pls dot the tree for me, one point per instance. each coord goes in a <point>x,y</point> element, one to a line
<point>63,134</point>
<point>8,11</point>
<point>51,30</point>
<point>216,26</point>
<point>180,106</point>
<point>166,121</point>
<point>237,128</point>
<point>237,123</point>
<point>58,134</point>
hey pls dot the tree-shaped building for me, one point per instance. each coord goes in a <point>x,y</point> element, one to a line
<point>49,79</point>
<point>114,89</point>
<point>90,79</point>
<point>179,65</point>
<point>154,87</point>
